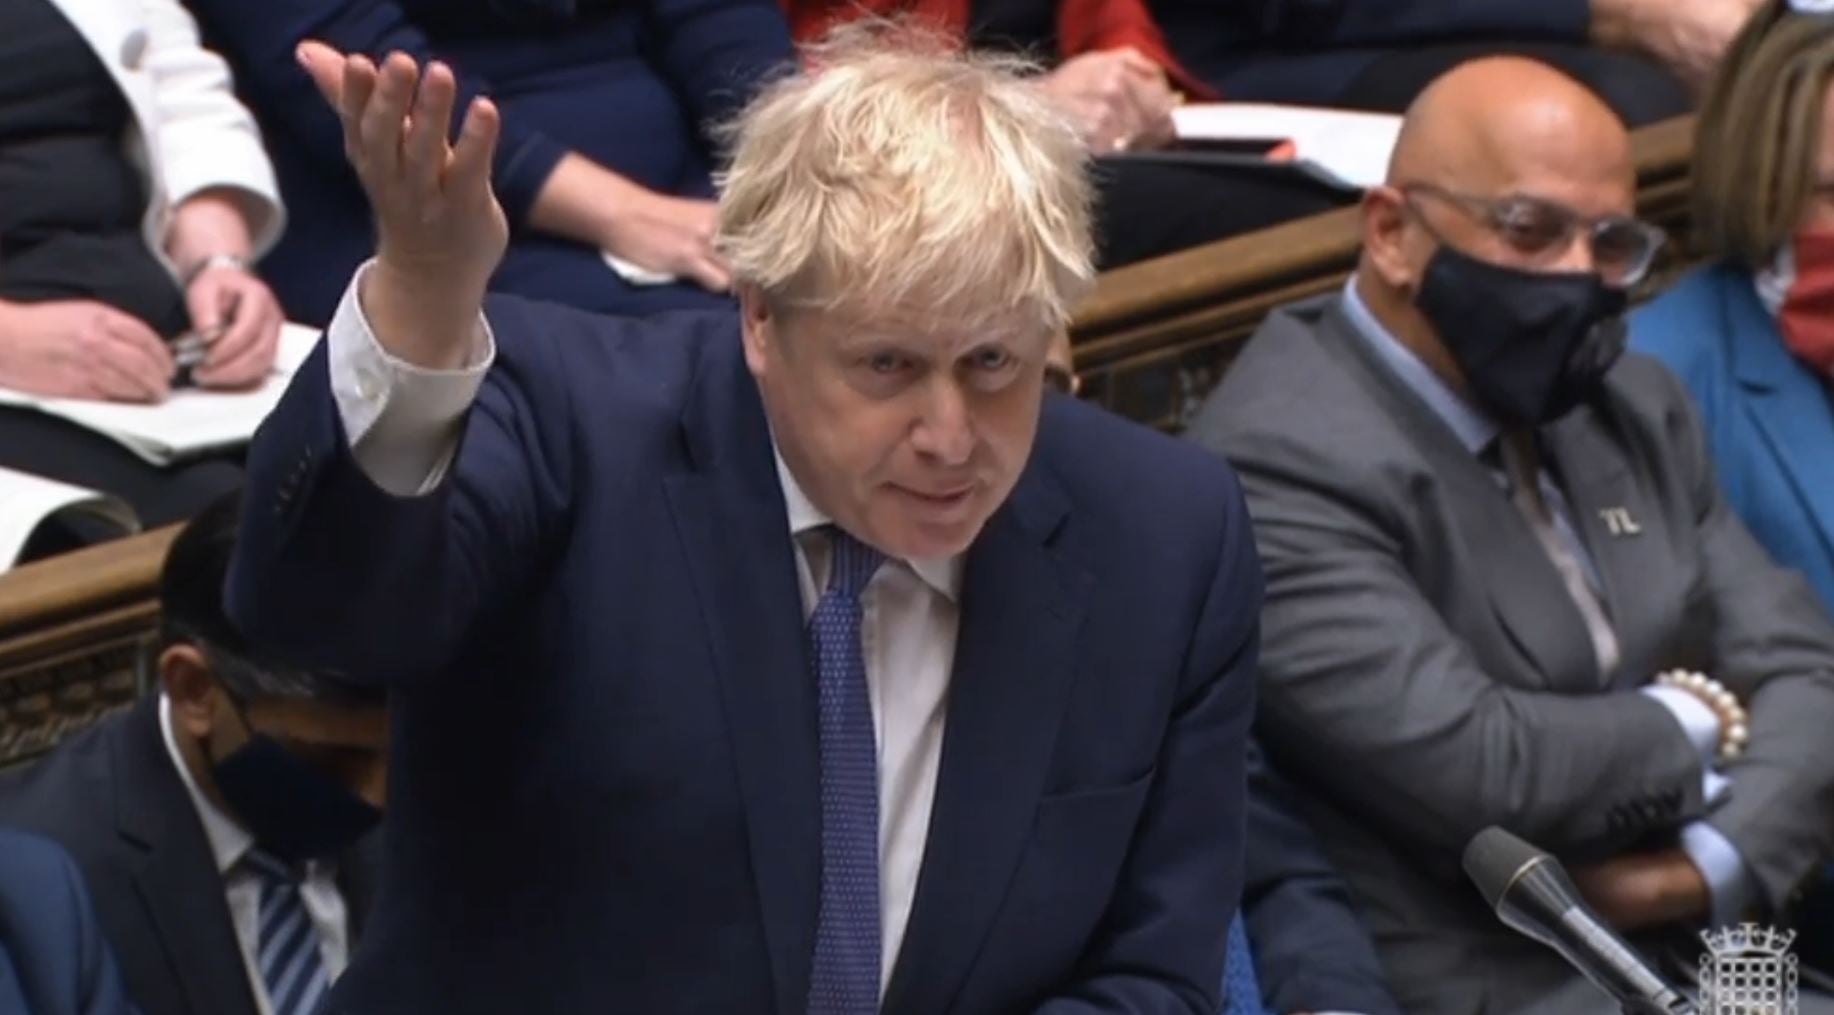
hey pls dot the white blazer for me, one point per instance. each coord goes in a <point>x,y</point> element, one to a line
<point>189,133</point>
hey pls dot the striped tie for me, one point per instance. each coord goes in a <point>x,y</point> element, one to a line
<point>845,977</point>
<point>289,959</point>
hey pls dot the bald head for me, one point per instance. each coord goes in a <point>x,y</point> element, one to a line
<point>1496,124</point>
<point>1493,134</point>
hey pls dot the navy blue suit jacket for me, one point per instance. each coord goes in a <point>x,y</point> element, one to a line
<point>53,959</point>
<point>1309,51</point>
<point>629,85</point>
<point>1311,950</point>
<point>604,782</point>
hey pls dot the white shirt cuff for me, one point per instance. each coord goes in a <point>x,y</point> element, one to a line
<point>401,419</point>
<point>1722,868</point>
<point>1698,721</point>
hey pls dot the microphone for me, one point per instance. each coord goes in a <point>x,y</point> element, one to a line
<point>1531,892</point>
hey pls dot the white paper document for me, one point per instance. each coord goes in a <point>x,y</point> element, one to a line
<point>1345,148</point>
<point>27,500</point>
<point>192,421</point>
<point>635,274</point>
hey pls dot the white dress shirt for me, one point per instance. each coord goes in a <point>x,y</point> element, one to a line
<point>402,422</point>
<point>229,842</point>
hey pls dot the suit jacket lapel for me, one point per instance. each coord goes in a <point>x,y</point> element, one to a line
<point>1526,593</point>
<point>1022,607</point>
<point>356,880</point>
<point>175,875</point>
<point>734,533</point>
<point>1792,408</point>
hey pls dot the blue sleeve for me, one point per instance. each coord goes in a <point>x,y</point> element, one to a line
<point>1328,24</point>
<point>99,981</point>
<point>717,53</point>
<point>260,38</point>
<point>332,572</point>
<point>1311,950</point>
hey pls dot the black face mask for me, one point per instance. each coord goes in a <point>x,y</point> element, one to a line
<point>293,810</point>
<point>1532,345</point>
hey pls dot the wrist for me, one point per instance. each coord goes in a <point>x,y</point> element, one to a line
<point>423,319</point>
<point>1734,722</point>
<point>206,224</point>
<point>212,262</point>
<point>1685,893</point>
<point>1616,23</point>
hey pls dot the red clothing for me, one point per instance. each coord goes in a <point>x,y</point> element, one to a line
<point>1083,26</point>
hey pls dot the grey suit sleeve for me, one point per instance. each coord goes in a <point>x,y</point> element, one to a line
<point>1774,647</point>
<point>1367,691</point>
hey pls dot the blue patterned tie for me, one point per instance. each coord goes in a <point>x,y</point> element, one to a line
<point>1241,990</point>
<point>287,942</point>
<point>845,978</point>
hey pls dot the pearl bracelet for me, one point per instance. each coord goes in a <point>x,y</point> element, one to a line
<point>1734,722</point>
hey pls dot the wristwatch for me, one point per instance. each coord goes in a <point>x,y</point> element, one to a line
<point>214,261</point>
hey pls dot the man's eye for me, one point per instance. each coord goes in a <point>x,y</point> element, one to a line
<point>886,363</point>
<point>1531,229</point>
<point>992,359</point>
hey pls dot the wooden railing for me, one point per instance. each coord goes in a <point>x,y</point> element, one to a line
<point>74,634</point>
<point>75,631</point>
<point>1154,337</point>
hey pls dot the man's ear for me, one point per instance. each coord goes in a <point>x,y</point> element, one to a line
<point>184,674</point>
<point>758,326</point>
<point>1387,239</point>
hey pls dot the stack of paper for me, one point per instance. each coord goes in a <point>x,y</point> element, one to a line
<point>26,501</point>
<point>1343,148</point>
<point>193,421</point>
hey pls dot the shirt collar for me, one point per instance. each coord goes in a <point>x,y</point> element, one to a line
<point>1474,428</point>
<point>942,574</point>
<point>229,842</point>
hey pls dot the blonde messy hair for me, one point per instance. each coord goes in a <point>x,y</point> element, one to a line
<point>1759,133</point>
<point>897,175</point>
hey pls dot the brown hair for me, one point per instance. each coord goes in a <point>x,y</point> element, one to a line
<point>1759,134</point>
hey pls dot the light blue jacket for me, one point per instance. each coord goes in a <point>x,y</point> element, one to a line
<point>1769,418</point>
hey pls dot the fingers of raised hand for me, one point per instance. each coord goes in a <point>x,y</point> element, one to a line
<point>325,66</point>
<point>424,151</point>
<point>380,122</point>
<point>469,169</point>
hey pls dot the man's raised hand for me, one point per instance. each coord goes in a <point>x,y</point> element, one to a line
<point>440,232</point>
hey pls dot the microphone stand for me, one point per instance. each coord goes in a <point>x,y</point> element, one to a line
<point>1677,1005</point>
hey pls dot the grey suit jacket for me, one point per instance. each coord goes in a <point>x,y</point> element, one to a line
<point>1425,673</point>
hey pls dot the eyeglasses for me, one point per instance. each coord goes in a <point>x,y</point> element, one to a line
<point>1623,248</point>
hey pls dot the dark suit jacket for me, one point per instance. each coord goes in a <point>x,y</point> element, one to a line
<point>1311,950</point>
<point>628,85</point>
<point>53,958</point>
<point>1426,674</point>
<point>1769,416</point>
<point>112,798</point>
<point>1308,51</point>
<point>604,789</point>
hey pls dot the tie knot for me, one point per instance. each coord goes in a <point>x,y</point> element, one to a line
<point>852,563</point>
<point>271,868</point>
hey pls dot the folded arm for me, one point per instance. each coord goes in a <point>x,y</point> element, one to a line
<point>1772,646</point>
<point>1365,689</point>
